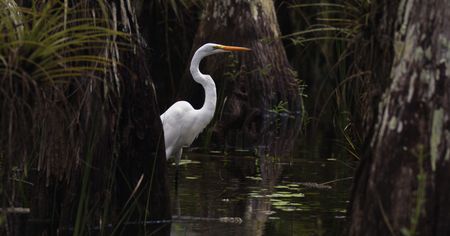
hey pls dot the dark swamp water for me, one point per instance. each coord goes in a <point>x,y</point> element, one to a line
<point>288,186</point>
<point>305,192</point>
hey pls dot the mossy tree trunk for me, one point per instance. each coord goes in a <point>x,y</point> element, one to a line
<point>249,84</point>
<point>403,180</point>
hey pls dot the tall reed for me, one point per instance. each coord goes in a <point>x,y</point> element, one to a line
<point>59,101</point>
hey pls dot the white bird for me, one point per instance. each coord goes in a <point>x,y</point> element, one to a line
<point>181,122</point>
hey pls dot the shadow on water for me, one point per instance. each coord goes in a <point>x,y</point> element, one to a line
<point>287,188</point>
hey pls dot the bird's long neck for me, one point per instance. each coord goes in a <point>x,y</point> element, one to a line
<point>209,106</point>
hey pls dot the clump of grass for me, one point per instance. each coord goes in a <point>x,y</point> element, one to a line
<point>58,90</point>
<point>334,29</point>
<point>47,57</point>
<point>335,20</point>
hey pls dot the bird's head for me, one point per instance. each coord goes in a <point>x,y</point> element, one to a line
<point>209,49</point>
<point>213,48</point>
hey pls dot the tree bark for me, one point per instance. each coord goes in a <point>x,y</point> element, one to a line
<point>142,149</point>
<point>373,57</point>
<point>249,84</point>
<point>402,183</point>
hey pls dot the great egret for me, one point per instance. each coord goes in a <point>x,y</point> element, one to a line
<point>181,122</point>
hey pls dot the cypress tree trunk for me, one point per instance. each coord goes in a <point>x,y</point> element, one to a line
<point>142,173</point>
<point>249,84</point>
<point>402,183</point>
<point>374,53</point>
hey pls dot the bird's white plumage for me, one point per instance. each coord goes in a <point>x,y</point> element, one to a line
<point>181,122</point>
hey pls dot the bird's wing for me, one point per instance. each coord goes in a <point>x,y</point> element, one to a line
<point>176,112</point>
<point>173,125</point>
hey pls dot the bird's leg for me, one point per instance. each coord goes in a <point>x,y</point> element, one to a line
<point>177,164</point>
<point>178,157</point>
<point>176,179</point>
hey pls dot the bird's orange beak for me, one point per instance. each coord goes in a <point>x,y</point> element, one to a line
<point>234,48</point>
